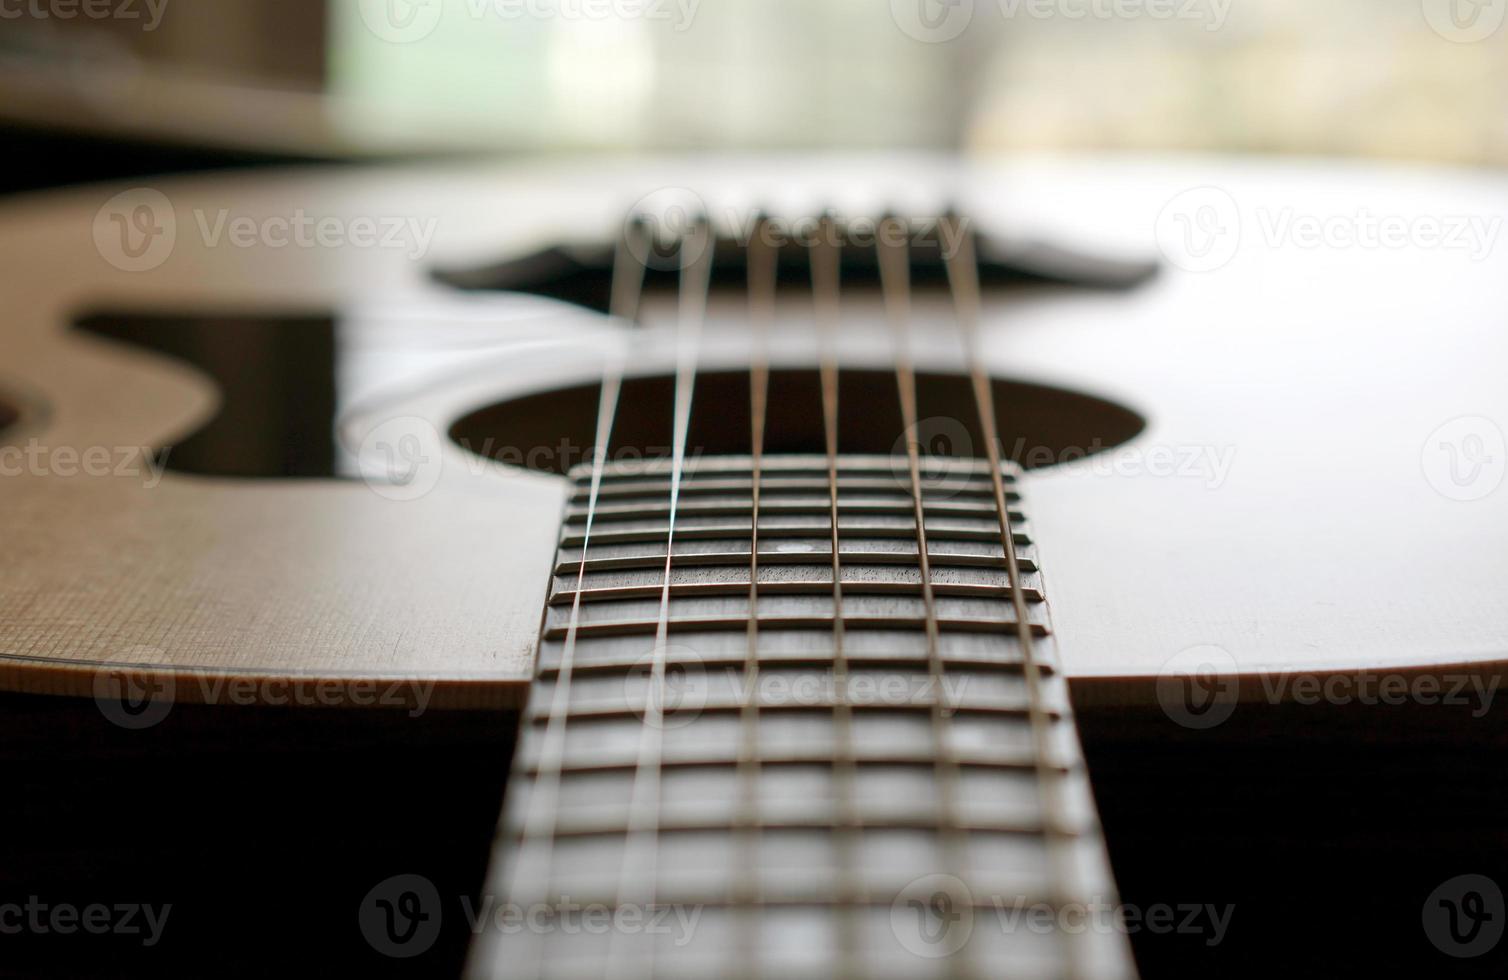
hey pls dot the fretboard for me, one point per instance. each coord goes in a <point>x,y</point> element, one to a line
<point>871,777</point>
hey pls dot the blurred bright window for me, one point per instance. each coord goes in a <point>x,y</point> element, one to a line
<point>1401,78</point>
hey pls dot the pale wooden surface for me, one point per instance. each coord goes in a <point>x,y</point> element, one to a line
<point>1323,369</point>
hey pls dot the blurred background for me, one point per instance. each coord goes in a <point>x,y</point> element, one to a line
<point>191,83</point>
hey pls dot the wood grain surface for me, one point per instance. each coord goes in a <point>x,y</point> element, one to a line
<point>1280,505</point>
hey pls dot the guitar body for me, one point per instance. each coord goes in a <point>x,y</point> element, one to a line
<point>1254,485</point>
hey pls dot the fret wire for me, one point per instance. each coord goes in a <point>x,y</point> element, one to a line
<point>895,279</point>
<point>713,707</point>
<point>826,268</point>
<point>963,279</point>
<point>643,834</point>
<point>761,264</point>
<point>1027,762</point>
<point>544,790</point>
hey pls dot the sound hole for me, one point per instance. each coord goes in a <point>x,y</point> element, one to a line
<point>1039,426</point>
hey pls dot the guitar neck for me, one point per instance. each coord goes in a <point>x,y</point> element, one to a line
<point>795,763</point>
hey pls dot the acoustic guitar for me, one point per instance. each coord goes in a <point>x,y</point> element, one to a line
<point>782,501</point>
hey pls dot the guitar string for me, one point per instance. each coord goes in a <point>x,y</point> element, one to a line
<point>762,270</point>
<point>963,279</point>
<point>644,806</point>
<point>826,268</point>
<point>543,799</point>
<point>895,285</point>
